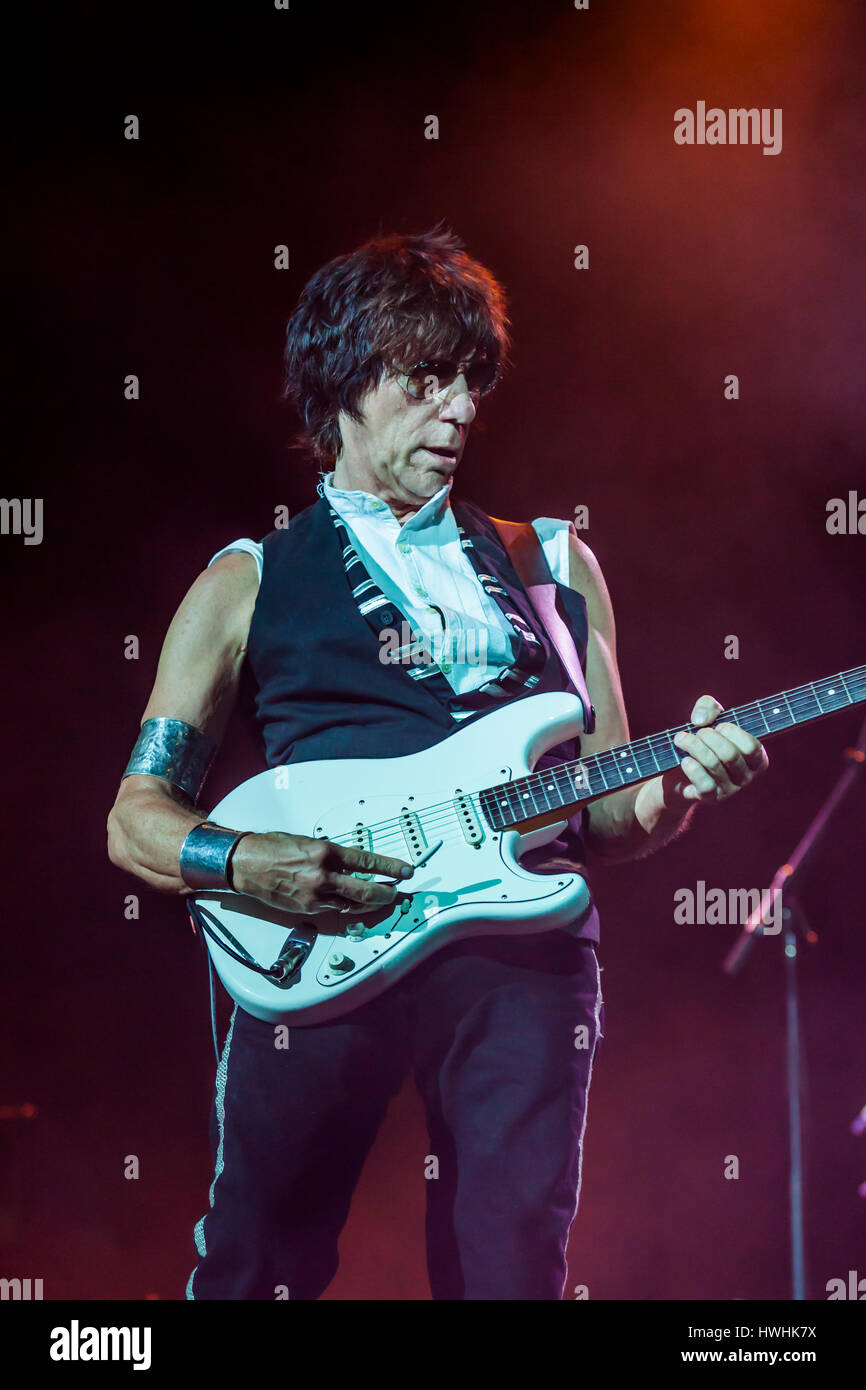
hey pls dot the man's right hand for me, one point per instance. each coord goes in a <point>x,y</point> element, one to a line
<point>297,873</point>
<point>197,681</point>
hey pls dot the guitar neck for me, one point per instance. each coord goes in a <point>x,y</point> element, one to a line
<point>567,785</point>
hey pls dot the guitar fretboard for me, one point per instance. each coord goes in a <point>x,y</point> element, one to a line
<point>565,785</point>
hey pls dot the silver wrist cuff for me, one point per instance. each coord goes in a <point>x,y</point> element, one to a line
<point>179,753</point>
<point>205,856</point>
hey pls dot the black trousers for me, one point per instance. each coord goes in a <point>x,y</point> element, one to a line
<point>502,1033</point>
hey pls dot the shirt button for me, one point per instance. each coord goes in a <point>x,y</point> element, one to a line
<point>446,667</point>
<point>402,545</point>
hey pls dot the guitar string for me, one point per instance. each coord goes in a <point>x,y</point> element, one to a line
<point>442,812</point>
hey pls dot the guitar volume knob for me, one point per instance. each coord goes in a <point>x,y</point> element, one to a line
<point>337,961</point>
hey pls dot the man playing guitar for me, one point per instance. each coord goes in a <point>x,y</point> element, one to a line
<point>389,352</point>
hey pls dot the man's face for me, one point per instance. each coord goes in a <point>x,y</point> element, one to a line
<point>406,447</point>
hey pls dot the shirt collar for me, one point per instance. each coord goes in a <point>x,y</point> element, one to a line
<point>357,502</point>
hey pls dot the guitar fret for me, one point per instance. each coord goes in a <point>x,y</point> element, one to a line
<point>775,717</point>
<point>552,786</point>
<point>645,758</point>
<point>807,693</point>
<point>626,763</point>
<point>751,719</point>
<point>569,785</point>
<point>673,754</point>
<point>665,754</point>
<point>542,790</point>
<point>503,808</point>
<point>595,774</point>
<point>609,769</point>
<point>830,694</point>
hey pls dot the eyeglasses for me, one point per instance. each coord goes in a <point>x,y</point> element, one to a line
<point>427,379</point>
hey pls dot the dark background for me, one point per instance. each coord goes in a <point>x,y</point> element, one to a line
<point>155,257</point>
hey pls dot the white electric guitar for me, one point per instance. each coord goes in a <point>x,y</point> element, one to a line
<point>463,812</point>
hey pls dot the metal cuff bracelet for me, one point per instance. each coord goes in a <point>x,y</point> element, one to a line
<point>205,856</point>
<point>179,753</point>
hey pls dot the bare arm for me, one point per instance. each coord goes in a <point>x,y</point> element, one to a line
<point>197,681</point>
<point>717,762</point>
<point>618,826</point>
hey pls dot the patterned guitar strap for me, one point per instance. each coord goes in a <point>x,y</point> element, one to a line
<point>384,616</point>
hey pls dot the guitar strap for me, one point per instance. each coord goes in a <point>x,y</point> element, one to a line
<point>528,558</point>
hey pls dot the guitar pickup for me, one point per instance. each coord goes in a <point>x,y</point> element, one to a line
<point>467,818</point>
<point>361,838</point>
<point>416,840</point>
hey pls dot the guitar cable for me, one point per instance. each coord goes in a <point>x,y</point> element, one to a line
<point>211,991</point>
<point>198,921</point>
<point>198,916</point>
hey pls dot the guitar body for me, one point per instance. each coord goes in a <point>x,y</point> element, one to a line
<point>464,811</point>
<point>472,884</point>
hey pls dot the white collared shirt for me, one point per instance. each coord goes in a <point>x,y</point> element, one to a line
<point>422,568</point>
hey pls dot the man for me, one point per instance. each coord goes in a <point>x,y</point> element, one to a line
<point>389,352</point>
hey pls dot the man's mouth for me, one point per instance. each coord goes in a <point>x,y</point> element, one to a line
<point>444,455</point>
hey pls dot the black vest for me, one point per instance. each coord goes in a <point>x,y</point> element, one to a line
<point>313,671</point>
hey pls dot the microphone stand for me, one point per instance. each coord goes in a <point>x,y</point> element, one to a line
<point>795,924</point>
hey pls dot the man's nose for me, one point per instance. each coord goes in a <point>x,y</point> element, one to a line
<point>459,404</point>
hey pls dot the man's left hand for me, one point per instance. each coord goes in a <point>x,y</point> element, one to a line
<point>719,761</point>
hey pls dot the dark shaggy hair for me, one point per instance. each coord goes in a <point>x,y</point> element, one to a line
<point>395,301</point>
